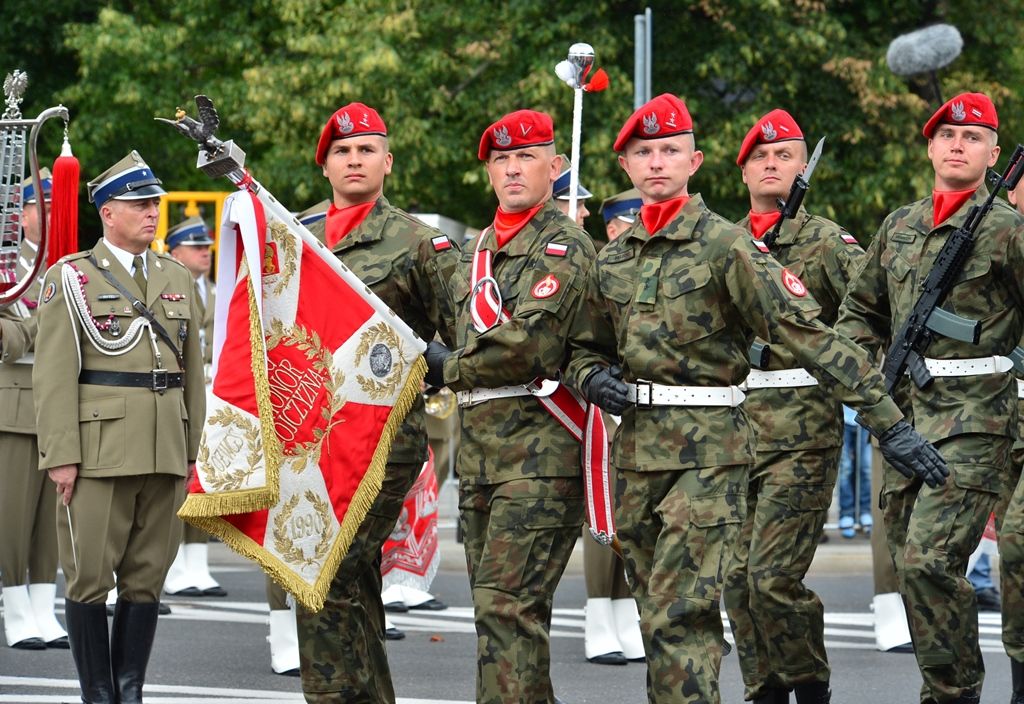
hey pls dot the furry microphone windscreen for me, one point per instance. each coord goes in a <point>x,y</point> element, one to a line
<point>924,50</point>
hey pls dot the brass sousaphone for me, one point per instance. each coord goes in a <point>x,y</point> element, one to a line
<point>18,138</point>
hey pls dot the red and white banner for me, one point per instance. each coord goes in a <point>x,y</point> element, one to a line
<point>410,557</point>
<point>312,376</point>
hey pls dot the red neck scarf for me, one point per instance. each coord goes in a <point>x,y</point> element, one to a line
<point>508,225</point>
<point>341,221</point>
<point>760,223</point>
<point>945,203</point>
<point>656,215</point>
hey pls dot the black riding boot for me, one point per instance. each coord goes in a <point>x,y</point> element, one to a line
<point>773,696</point>
<point>131,640</point>
<point>1017,675</point>
<point>812,693</point>
<point>90,649</point>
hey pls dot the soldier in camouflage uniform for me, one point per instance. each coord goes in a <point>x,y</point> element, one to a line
<point>28,548</point>
<point>406,264</point>
<point>969,410</point>
<point>1011,533</point>
<point>777,622</point>
<point>671,309</point>
<point>520,485</point>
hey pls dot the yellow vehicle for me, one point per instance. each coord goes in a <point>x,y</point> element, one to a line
<point>196,203</point>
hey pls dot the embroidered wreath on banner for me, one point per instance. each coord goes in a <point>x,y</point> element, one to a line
<point>307,454</point>
<point>287,255</point>
<point>284,542</point>
<point>383,346</point>
<point>222,481</point>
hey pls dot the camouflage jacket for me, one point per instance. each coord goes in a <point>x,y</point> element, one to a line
<point>681,308</point>
<point>17,339</point>
<point>392,253</point>
<point>805,417</point>
<point>989,289</point>
<point>513,438</point>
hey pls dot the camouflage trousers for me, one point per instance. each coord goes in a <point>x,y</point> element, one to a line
<point>931,534</point>
<point>1011,566</point>
<point>676,529</point>
<point>518,537</point>
<point>777,622</point>
<point>342,656</point>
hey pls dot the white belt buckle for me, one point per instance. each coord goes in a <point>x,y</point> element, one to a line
<point>648,387</point>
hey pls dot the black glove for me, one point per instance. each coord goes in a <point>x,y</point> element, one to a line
<point>912,455</point>
<point>435,355</point>
<point>604,388</point>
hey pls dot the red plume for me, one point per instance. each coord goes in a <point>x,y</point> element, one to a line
<point>63,235</point>
<point>598,83</point>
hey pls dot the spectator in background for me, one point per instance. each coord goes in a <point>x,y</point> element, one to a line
<point>854,477</point>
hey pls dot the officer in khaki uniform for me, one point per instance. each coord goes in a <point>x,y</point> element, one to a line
<point>611,625</point>
<point>662,338</point>
<point>119,406</point>
<point>189,243</point>
<point>970,408</point>
<point>405,263</point>
<point>520,485</point>
<point>28,548</point>
<point>777,622</point>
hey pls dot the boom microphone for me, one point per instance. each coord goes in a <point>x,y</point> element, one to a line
<point>925,50</point>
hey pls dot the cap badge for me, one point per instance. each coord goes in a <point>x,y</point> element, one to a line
<point>956,110</point>
<point>671,121</point>
<point>651,125</point>
<point>768,131</point>
<point>345,123</point>
<point>976,112</point>
<point>502,137</point>
<point>365,122</point>
<point>525,129</point>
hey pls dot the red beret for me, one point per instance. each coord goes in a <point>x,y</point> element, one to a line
<point>776,126</point>
<point>517,130</point>
<point>964,109</point>
<point>353,120</point>
<point>663,116</point>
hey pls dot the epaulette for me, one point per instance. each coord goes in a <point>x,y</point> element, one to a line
<point>74,255</point>
<point>165,257</point>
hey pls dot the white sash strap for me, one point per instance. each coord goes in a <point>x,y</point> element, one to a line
<point>645,393</point>
<point>479,395</point>
<point>968,367</point>
<point>1020,388</point>
<point>780,379</point>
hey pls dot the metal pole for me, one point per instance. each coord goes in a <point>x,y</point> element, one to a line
<point>639,59</point>
<point>649,50</point>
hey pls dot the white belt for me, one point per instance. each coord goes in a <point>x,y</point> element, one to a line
<point>645,393</point>
<point>782,378</point>
<point>968,367</point>
<point>479,395</point>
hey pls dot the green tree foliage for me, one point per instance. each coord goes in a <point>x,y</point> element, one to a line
<point>439,73</point>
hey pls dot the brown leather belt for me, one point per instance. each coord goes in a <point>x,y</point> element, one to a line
<point>156,380</point>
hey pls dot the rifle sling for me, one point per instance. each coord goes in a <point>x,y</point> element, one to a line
<point>143,311</point>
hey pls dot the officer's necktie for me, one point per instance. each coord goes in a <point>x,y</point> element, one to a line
<point>140,274</point>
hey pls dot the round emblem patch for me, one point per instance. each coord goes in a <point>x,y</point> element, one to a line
<point>380,360</point>
<point>793,283</point>
<point>546,287</point>
<point>51,288</point>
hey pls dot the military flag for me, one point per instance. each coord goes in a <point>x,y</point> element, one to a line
<point>312,376</point>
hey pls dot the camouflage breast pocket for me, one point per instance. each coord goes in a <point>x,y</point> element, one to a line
<point>688,302</point>
<point>975,295</point>
<point>900,284</point>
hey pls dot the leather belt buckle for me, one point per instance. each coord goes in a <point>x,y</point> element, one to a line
<point>159,382</point>
<point>641,402</point>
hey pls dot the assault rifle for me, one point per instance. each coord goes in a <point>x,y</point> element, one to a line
<point>791,205</point>
<point>927,319</point>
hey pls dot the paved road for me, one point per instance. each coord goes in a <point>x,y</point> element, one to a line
<point>214,650</point>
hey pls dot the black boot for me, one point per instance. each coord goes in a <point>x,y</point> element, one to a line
<point>1017,675</point>
<point>90,649</point>
<point>131,640</point>
<point>812,693</point>
<point>773,696</point>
